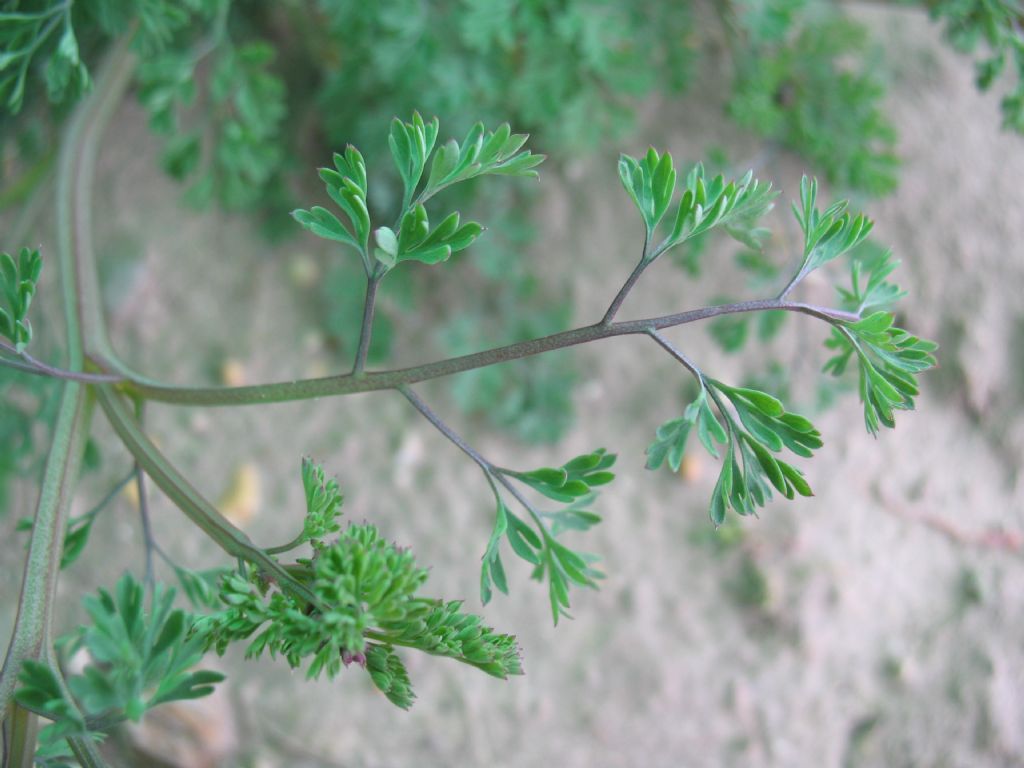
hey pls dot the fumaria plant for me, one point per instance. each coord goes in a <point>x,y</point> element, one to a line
<point>338,596</point>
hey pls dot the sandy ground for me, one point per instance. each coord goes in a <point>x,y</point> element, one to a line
<point>872,625</point>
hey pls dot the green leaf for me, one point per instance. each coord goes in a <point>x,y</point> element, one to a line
<point>877,292</point>
<point>389,675</point>
<point>827,234</point>
<point>670,443</point>
<point>572,484</point>
<point>323,503</point>
<point>574,479</point>
<point>795,479</point>
<point>481,153</point>
<point>491,555</point>
<point>200,587</point>
<point>574,517</point>
<point>749,470</point>
<point>888,358</point>
<point>651,183</point>
<point>74,541</point>
<point>138,659</point>
<point>41,691</point>
<point>709,430</point>
<point>411,144</point>
<point>417,242</point>
<point>762,401</point>
<point>523,540</point>
<point>325,224</point>
<point>347,187</point>
<point>181,155</point>
<point>705,204</point>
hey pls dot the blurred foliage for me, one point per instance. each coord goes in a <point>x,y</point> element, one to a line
<point>806,77</point>
<point>996,26</point>
<point>532,399</point>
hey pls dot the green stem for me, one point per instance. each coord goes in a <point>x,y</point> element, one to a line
<point>304,389</point>
<point>491,471</point>
<point>634,276</point>
<point>32,637</point>
<point>19,738</point>
<point>366,329</point>
<point>102,504</point>
<point>282,548</point>
<point>85,752</point>
<point>200,511</point>
<point>29,364</point>
<point>678,355</point>
<point>75,189</point>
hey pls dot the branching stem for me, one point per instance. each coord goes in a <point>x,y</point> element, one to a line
<point>627,286</point>
<point>200,511</point>
<point>490,470</point>
<point>377,380</point>
<point>29,364</point>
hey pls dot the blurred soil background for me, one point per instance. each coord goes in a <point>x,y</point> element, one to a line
<point>876,624</point>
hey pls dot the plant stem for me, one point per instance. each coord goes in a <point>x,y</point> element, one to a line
<point>791,284</point>
<point>491,471</point>
<point>32,637</point>
<point>447,431</point>
<point>200,511</point>
<point>102,503</point>
<point>147,527</point>
<point>75,187</point>
<point>366,329</point>
<point>282,548</point>
<point>29,364</point>
<point>678,355</point>
<point>620,297</point>
<point>19,738</point>
<point>303,389</point>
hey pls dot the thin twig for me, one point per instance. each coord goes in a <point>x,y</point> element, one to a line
<point>29,364</point>
<point>282,548</point>
<point>101,505</point>
<point>366,329</point>
<point>677,354</point>
<point>162,554</point>
<point>447,431</point>
<point>491,471</point>
<point>147,527</point>
<point>20,366</point>
<point>790,285</point>
<point>634,276</point>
